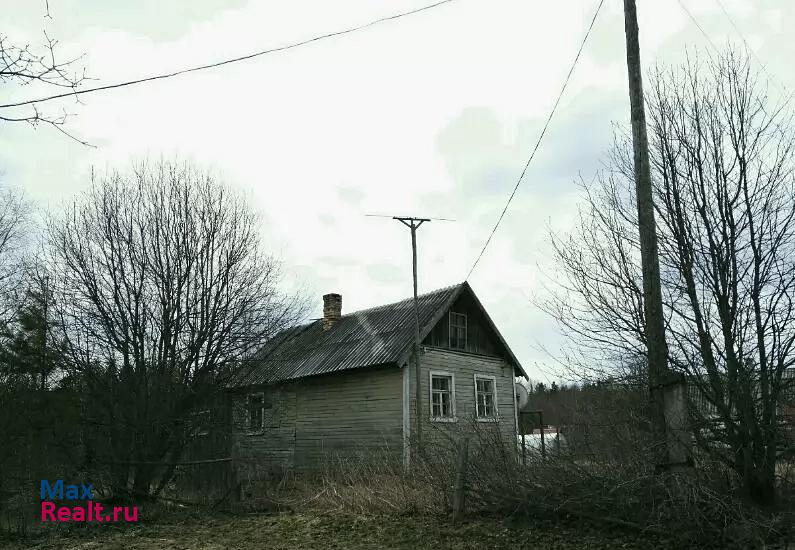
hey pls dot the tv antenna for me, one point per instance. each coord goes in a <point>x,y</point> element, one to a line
<point>414,223</point>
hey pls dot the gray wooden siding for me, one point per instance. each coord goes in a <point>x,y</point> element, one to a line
<point>347,413</point>
<point>480,338</point>
<point>272,449</point>
<point>357,412</point>
<point>464,366</point>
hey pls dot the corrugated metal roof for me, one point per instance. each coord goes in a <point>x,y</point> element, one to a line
<point>377,336</point>
<point>380,335</point>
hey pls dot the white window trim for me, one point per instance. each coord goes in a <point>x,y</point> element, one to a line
<point>450,326</point>
<point>249,429</point>
<point>493,379</point>
<point>451,375</point>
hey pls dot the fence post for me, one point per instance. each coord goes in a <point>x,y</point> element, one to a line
<point>557,439</point>
<point>235,486</point>
<point>678,431</point>
<point>461,480</point>
<point>543,444</point>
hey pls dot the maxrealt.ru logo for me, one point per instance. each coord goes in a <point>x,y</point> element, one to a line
<point>87,511</point>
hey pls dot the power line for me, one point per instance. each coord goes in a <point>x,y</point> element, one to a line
<point>540,138</point>
<point>780,85</point>
<point>229,61</point>
<point>698,25</point>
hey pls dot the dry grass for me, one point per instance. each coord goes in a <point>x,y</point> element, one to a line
<point>369,501</point>
<point>292,531</point>
<point>702,507</point>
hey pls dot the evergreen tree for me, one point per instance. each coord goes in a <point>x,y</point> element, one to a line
<point>30,359</point>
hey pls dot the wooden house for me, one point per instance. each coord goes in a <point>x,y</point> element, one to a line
<point>345,384</point>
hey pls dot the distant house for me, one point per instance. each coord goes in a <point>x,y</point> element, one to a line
<point>344,384</point>
<point>785,408</point>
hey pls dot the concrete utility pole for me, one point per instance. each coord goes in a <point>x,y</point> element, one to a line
<point>660,379</point>
<point>413,224</point>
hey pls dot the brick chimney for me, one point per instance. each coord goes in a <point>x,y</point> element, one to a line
<point>332,310</point>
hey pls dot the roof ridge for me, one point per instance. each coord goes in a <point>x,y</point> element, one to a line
<point>410,298</point>
<point>379,335</point>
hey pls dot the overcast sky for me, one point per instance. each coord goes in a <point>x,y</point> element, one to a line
<point>433,114</point>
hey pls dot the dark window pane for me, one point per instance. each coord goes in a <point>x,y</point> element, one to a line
<point>441,396</point>
<point>255,407</point>
<point>484,388</point>
<point>457,330</point>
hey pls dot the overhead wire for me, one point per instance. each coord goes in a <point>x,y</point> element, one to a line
<point>780,85</point>
<point>698,25</point>
<point>540,138</point>
<point>79,92</point>
<point>787,95</point>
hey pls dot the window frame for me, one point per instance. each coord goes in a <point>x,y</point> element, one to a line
<point>262,408</point>
<point>450,315</point>
<point>202,427</point>
<point>440,374</point>
<point>493,379</point>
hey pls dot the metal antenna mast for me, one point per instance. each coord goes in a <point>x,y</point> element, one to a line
<point>413,224</point>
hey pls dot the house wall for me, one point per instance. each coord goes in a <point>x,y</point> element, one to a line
<point>347,413</point>
<point>362,411</point>
<point>464,366</point>
<point>272,449</point>
<point>480,338</point>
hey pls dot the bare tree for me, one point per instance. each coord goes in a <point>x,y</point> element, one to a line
<point>163,289</point>
<point>14,228</point>
<point>722,160</point>
<point>22,65</point>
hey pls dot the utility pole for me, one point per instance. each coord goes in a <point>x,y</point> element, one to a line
<point>413,224</point>
<point>44,356</point>
<point>661,381</point>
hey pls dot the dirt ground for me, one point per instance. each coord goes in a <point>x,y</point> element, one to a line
<point>332,531</point>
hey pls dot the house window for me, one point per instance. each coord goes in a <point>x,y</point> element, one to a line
<point>442,396</point>
<point>201,422</point>
<point>458,330</point>
<point>485,397</point>
<point>256,411</point>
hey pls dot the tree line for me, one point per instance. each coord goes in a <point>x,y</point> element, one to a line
<point>723,170</point>
<point>123,314</point>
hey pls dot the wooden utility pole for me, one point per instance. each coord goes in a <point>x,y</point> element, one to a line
<point>657,349</point>
<point>45,321</point>
<point>413,224</point>
<point>459,494</point>
<point>543,444</point>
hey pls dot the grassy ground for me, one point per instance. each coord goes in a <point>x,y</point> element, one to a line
<point>337,531</point>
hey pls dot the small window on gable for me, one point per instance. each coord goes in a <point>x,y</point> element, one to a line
<point>442,396</point>
<point>458,331</point>
<point>486,397</point>
<point>256,411</point>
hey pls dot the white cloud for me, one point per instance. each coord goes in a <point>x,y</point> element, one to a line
<point>434,114</point>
